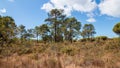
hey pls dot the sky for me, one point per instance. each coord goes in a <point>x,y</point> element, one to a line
<point>103,14</point>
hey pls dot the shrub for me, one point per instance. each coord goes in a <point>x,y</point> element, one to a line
<point>83,40</point>
<point>39,49</point>
<point>24,51</point>
<point>69,50</point>
<point>113,44</point>
<point>116,39</point>
<point>101,38</point>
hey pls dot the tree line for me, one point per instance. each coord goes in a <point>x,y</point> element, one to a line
<point>58,28</point>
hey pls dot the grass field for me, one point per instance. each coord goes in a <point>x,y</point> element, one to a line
<point>95,54</point>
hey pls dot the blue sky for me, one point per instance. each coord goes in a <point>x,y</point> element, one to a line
<point>32,13</point>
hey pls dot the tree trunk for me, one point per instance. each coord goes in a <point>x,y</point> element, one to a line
<point>37,37</point>
<point>55,33</point>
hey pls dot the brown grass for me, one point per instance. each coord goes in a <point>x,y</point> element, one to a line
<point>102,54</point>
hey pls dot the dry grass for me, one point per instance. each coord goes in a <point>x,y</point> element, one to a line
<point>97,54</point>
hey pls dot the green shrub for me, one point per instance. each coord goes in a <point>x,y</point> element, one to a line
<point>83,40</point>
<point>24,51</point>
<point>87,39</point>
<point>39,49</point>
<point>101,38</point>
<point>69,50</point>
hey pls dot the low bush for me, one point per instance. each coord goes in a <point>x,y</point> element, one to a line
<point>101,38</point>
<point>69,50</point>
<point>24,51</point>
<point>112,45</point>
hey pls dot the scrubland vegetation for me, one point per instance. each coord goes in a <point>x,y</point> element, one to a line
<point>80,54</point>
<point>57,44</point>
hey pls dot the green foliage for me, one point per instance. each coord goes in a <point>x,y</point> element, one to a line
<point>101,38</point>
<point>7,29</point>
<point>71,28</point>
<point>62,27</point>
<point>44,33</point>
<point>24,51</point>
<point>25,34</point>
<point>54,17</point>
<point>22,31</point>
<point>47,38</point>
<point>88,31</point>
<point>69,50</point>
<point>44,29</point>
<point>39,49</point>
<point>83,40</point>
<point>36,32</point>
<point>87,39</point>
<point>116,29</point>
<point>29,34</point>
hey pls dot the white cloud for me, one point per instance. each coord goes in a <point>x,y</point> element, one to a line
<point>47,7</point>
<point>2,11</point>
<point>11,0</point>
<point>106,7</point>
<point>110,8</point>
<point>90,14</point>
<point>70,5</point>
<point>91,20</point>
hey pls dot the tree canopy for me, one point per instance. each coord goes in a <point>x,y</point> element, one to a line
<point>88,31</point>
<point>58,28</point>
<point>7,29</point>
<point>116,29</point>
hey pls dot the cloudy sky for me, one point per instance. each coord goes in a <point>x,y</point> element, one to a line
<point>103,14</point>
